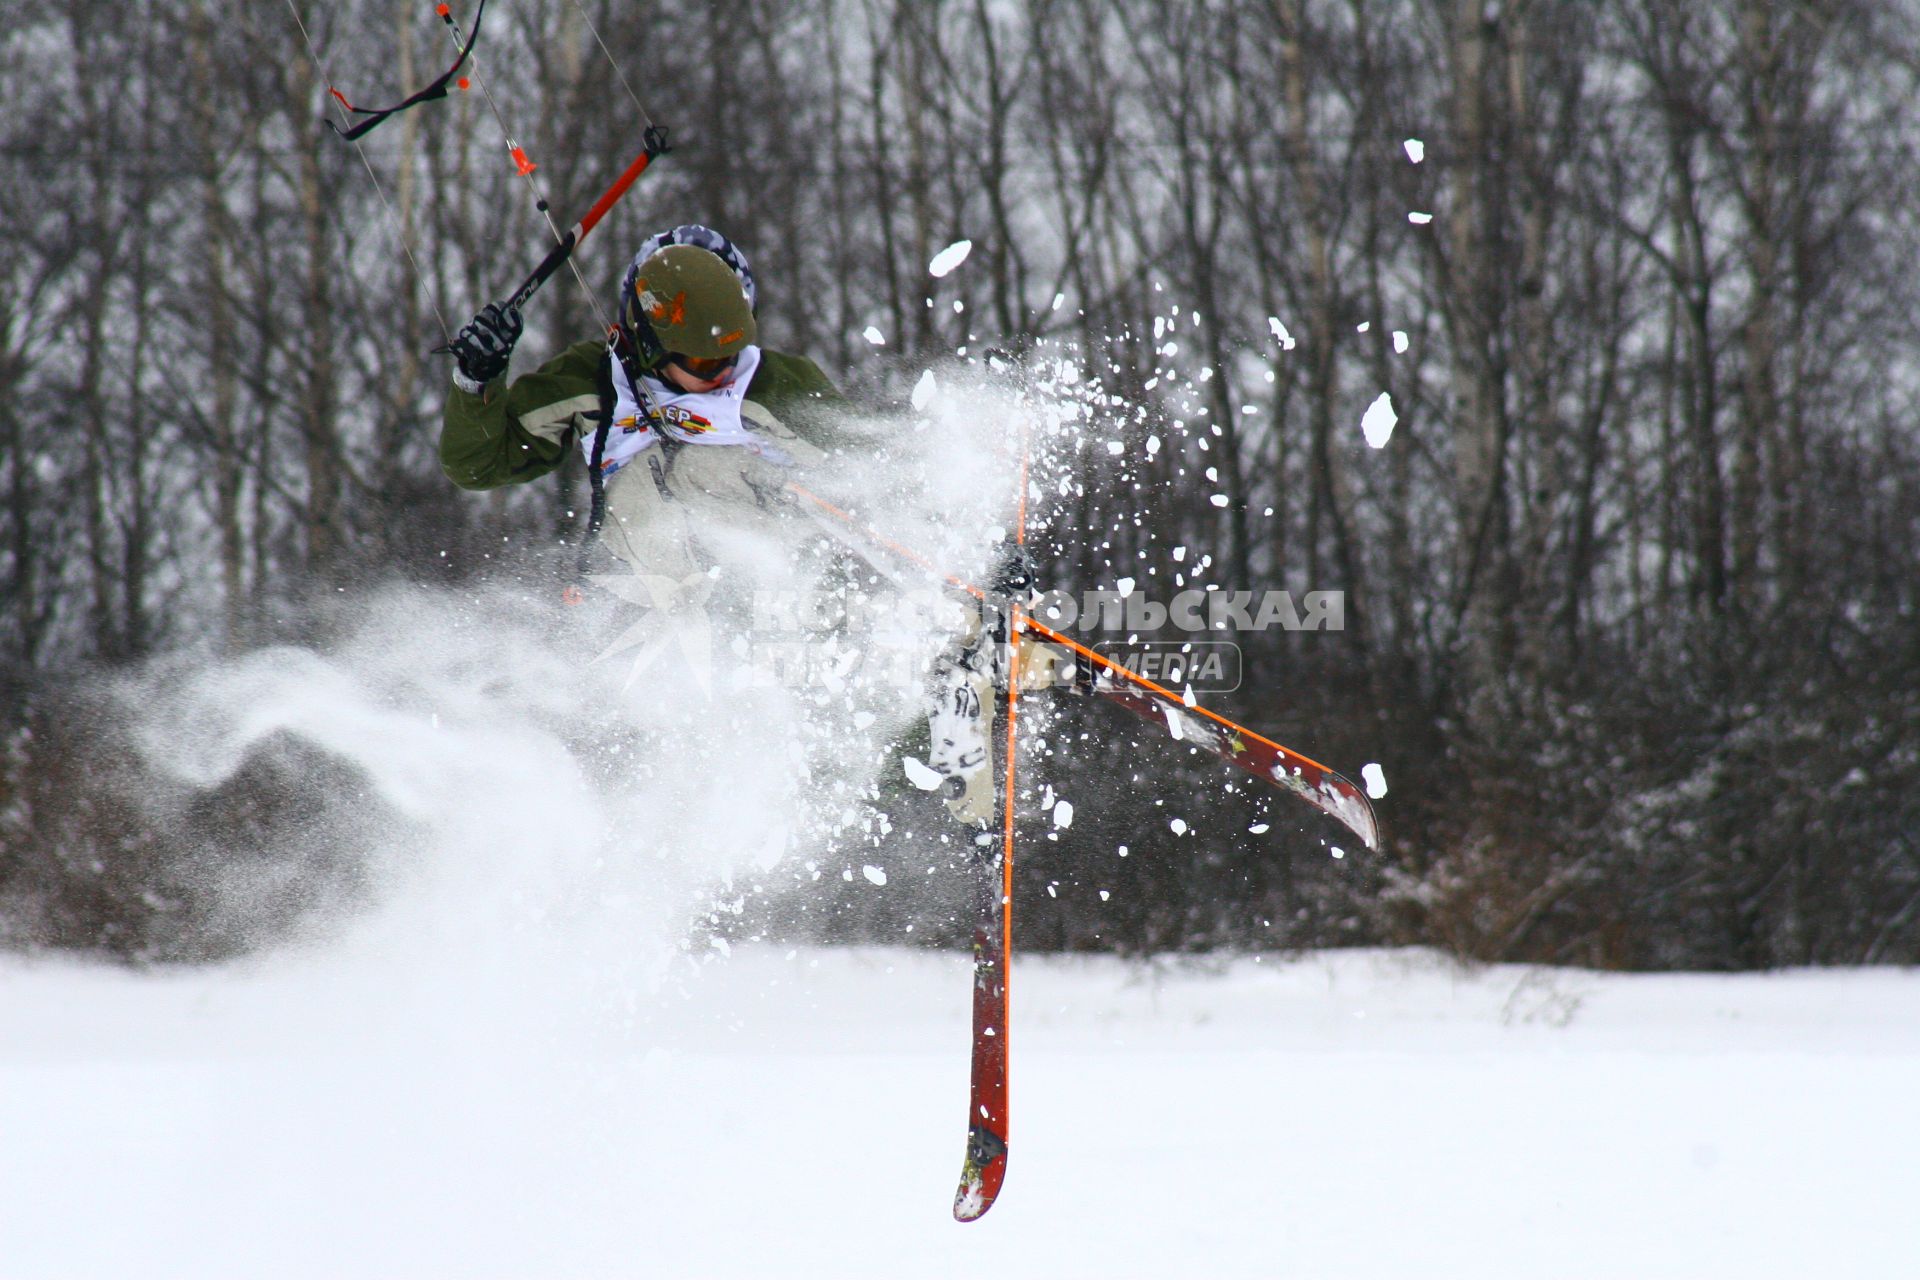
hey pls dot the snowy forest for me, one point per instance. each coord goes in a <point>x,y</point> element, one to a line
<point>1632,593</point>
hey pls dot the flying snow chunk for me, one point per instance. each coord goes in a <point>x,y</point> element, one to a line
<point>919,774</point>
<point>1258,828</point>
<point>1280,333</point>
<point>925,390</point>
<point>1063,814</point>
<point>1419,219</point>
<point>949,258</point>
<point>874,336</point>
<point>1416,150</point>
<point>1153,445</point>
<point>1125,587</point>
<point>1218,499</point>
<point>1376,780</point>
<point>1379,421</point>
<point>1400,342</point>
<point>1059,300</point>
<point>874,875</point>
<point>1178,826</point>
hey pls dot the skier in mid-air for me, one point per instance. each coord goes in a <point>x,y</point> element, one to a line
<point>694,428</point>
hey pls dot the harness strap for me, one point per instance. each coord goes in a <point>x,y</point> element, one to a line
<point>596,475</point>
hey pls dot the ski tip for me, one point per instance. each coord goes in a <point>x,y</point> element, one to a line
<point>976,1195</point>
<point>1340,799</point>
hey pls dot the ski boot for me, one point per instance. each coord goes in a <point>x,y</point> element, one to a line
<point>965,682</point>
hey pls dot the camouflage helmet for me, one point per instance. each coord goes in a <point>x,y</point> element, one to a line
<point>684,300</point>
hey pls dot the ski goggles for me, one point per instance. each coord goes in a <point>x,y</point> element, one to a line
<point>703,368</point>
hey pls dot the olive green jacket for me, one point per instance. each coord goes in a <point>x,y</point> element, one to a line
<point>514,432</point>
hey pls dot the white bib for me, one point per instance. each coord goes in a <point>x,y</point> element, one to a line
<point>690,417</point>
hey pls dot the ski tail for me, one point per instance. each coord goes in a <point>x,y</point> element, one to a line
<point>985,1166</point>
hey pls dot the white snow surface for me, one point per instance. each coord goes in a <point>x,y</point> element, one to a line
<point>800,1113</point>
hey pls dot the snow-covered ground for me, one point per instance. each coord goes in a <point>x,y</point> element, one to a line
<point>778,1113</point>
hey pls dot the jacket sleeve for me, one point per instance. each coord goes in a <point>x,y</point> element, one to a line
<point>512,433</point>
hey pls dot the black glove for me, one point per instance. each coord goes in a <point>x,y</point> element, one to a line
<point>482,348</point>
